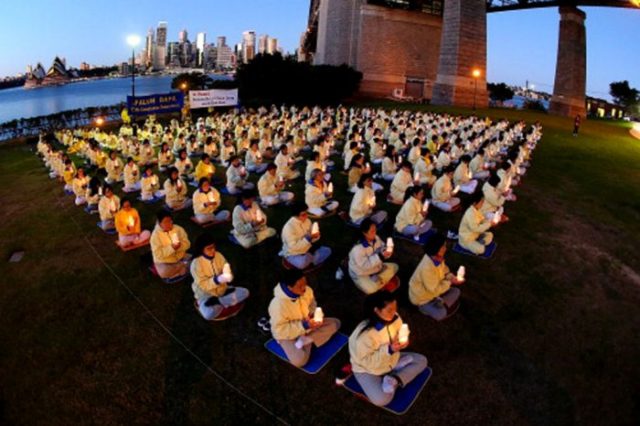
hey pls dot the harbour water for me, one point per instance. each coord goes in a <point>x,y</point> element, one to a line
<point>19,103</point>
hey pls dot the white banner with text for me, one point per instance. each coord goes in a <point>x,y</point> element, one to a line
<point>212,98</point>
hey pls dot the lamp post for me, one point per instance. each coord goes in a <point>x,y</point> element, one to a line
<point>476,75</point>
<point>133,40</point>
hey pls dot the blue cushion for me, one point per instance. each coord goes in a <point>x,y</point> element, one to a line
<point>403,398</point>
<point>423,238</point>
<point>320,356</point>
<point>488,252</point>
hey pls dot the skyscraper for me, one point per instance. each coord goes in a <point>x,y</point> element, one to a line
<point>262,44</point>
<point>201,40</point>
<point>248,45</point>
<point>272,46</point>
<point>224,54</point>
<point>159,58</point>
<point>183,36</point>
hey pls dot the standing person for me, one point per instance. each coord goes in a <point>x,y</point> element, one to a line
<point>291,316</point>
<point>210,286</point>
<point>576,125</point>
<point>169,245</point>
<point>430,286</point>
<point>299,244</point>
<point>127,222</point>
<point>379,365</point>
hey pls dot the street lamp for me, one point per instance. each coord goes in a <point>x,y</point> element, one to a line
<point>133,40</point>
<point>476,75</point>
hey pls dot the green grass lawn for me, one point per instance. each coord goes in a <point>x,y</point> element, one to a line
<point>548,331</point>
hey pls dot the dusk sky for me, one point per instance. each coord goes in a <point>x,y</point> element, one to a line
<point>522,44</point>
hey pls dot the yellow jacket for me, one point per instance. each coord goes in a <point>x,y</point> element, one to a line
<point>108,207</point>
<point>123,220</point>
<point>389,166</point>
<point>162,247</point>
<point>361,205</point>
<point>165,158</point>
<point>294,237</point>
<point>400,183</point>
<point>315,197</point>
<point>409,214</point>
<point>131,175</point>
<point>114,168</point>
<point>442,189</point>
<point>201,198</point>
<point>364,260</point>
<point>288,314</point>
<point>175,194</point>
<point>204,170</point>
<point>68,174</point>
<point>204,271</point>
<point>267,185</point>
<point>493,199</point>
<point>149,185</point>
<point>473,224</point>
<point>369,350</point>
<point>461,175</point>
<point>354,176</point>
<point>428,281</point>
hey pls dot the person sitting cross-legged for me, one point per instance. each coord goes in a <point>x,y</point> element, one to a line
<point>270,188</point>
<point>108,207</point>
<point>402,180</point>
<point>463,177</point>
<point>237,177</point>
<point>150,185</point>
<point>128,225</point>
<point>430,286</point>
<point>472,234</point>
<point>291,316</point>
<point>366,266</point>
<point>206,200</point>
<point>299,244</point>
<point>210,286</point>
<point>378,363</point>
<point>363,203</point>
<point>442,193</point>
<point>176,191</point>
<point>317,195</point>
<point>249,221</point>
<point>169,245</point>
<point>411,220</point>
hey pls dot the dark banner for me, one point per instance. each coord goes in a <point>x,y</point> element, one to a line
<point>155,104</point>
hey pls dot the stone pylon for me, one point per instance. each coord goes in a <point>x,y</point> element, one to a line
<point>571,67</point>
<point>463,50</point>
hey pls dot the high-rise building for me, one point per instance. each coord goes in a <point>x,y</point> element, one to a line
<point>174,54</point>
<point>262,44</point>
<point>248,45</point>
<point>183,36</point>
<point>160,56</point>
<point>201,40</point>
<point>85,66</point>
<point>149,48</point>
<point>224,54</point>
<point>272,46</point>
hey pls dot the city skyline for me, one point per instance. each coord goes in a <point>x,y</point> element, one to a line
<point>521,45</point>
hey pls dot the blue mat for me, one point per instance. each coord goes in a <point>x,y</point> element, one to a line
<point>111,231</point>
<point>224,191</point>
<point>68,192</point>
<point>423,238</point>
<point>488,252</point>
<point>151,201</point>
<point>404,397</point>
<point>320,356</point>
<point>90,210</point>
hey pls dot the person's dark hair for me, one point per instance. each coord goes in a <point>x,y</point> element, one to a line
<point>465,159</point>
<point>170,171</point>
<point>449,169</point>
<point>365,225</point>
<point>406,163</point>
<point>94,185</point>
<point>106,187</point>
<point>247,194</point>
<point>201,242</point>
<point>129,160</point>
<point>290,277</point>
<point>354,160</point>
<point>505,165</point>
<point>162,214</point>
<point>297,207</point>
<point>125,200</point>
<point>271,166</point>
<point>363,178</point>
<point>494,180</point>
<point>377,300</point>
<point>315,156</point>
<point>204,156</point>
<point>202,181</point>
<point>390,151</point>
<point>411,191</point>
<point>434,244</point>
<point>475,197</point>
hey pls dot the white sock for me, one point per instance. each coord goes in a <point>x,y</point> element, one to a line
<point>389,384</point>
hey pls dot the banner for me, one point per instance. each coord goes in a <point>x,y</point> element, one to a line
<point>155,104</point>
<point>212,98</point>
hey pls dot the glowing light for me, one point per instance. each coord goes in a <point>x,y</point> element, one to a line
<point>133,40</point>
<point>99,121</point>
<point>476,73</point>
<point>636,3</point>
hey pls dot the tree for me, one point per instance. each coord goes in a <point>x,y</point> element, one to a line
<point>192,81</point>
<point>624,95</point>
<point>500,92</point>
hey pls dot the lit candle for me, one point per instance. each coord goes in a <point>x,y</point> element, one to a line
<point>100,191</point>
<point>389,246</point>
<point>243,171</point>
<point>456,189</point>
<point>416,177</point>
<point>179,183</point>
<point>113,205</point>
<point>315,229</point>
<point>318,315</point>
<point>399,159</point>
<point>210,196</point>
<point>175,239</point>
<point>154,180</point>
<point>259,215</point>
<point>497,216</point>
<point>226,272</point>
<point>403,334</point>
<point>330,188</point>
<point>131,221</point>
<point>425,206</point>
<point>461,273</point>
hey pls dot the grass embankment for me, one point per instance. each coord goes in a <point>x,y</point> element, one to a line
<point>547,332</point>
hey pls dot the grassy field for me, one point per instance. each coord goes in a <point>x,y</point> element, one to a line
<point>547,333</point>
